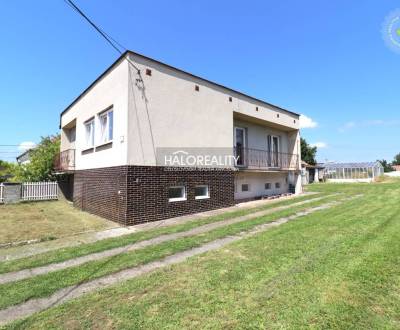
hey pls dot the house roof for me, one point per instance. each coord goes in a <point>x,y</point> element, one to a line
<point>351,165</point>
<point>173,68</point>
<point>24,154</point>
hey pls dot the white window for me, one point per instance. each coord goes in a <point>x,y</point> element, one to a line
<point>177,193</point>
<point>106,126</point>
<point>267,186</point>
<point>89,133</point>
<point>201,192</point>
<point>245,187</point>
<point>277,185</point>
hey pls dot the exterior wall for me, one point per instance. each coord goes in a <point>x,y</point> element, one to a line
<point>257,181</point>
<point>111,90</point>
<point>136,194</point>
<point>167,111</point>
<point>148,192</point>
<point>257,136</point>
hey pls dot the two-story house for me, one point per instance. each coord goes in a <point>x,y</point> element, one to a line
<point>112,136</point>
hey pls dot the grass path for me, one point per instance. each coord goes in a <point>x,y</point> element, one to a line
<point>68,293</point>
<point>60,255</point>
<point>31,272</point>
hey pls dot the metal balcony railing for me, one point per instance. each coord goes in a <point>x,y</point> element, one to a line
<point>65,160</point>
<point>264,159</point>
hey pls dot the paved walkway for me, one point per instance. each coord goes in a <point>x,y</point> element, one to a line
<point>27,273</point>
<point>36,305</point>
<point>75,240</point>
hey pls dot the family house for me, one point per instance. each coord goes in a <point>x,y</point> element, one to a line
<point>119,134</point>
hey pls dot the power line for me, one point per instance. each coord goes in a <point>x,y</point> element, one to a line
<point>103,34</point>
<point>114,43</point>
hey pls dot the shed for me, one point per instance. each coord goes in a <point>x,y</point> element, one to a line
<point>352,172</point>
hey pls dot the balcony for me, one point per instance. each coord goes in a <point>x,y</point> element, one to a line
<point>265,160</point>
<point>65,160</point>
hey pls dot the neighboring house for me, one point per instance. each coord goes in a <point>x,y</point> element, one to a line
<point>24,158</point>
<point>115,134</point>
<point>311,173</point>
<point>352,172</point>
<point>396,167</point>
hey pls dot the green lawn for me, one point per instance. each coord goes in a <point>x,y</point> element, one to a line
<point>45,220</point>
<point>336,268</point>
<point>85,249</point>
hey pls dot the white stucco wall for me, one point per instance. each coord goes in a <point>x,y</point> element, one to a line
<point>164,110</point>
<point>170,113</point>
<point>112,90</point>
<point>257,181</point>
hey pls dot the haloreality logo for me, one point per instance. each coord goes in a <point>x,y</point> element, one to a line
<point>391,30</point>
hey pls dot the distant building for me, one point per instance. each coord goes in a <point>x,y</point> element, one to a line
<point>25,157</point>
<point>311,173</point>
<point>352,172</point>
<point>396,167</point>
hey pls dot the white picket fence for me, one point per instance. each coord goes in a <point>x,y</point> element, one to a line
<point>32,191</point>
<point>1,193</point>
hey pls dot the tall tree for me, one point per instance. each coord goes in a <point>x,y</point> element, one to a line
<point>386,166</point>
<point>396,160</point>
<point>308,152</point>
<point>41,165</point>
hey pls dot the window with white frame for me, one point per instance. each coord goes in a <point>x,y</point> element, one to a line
<point>277,185</point>
<point>177,193</point>
<point>106,126</point>
<point>89,133</point>
<point>201,192</point>
<point>267,186</point>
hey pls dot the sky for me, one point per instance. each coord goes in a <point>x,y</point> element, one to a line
<point>327,60</point>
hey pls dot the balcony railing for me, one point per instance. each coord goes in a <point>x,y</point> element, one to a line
<point>263,159</point>
<point>65,160</point>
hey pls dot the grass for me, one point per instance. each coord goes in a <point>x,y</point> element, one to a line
<point>45,220</point>
<point>106,244</point>
<point>337,268</point>
<point>44,285</point>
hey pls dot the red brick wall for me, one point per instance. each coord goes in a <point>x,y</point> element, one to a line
<point>136,194</point>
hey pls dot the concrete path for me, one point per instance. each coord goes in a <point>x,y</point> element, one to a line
<point>36,305</point>
<point>27,273</point>
<point>13,253</point>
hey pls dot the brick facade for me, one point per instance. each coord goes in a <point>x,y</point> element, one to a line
<point>136,194</point>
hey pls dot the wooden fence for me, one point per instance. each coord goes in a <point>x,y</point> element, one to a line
<point>32,191</point>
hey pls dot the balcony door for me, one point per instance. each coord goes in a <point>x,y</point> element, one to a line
<point>240,143</point>
<point>273,148</point>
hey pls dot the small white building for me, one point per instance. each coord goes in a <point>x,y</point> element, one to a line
<point>352,172</point>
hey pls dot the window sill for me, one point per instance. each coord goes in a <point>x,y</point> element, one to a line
<point>103,146</point>
<point>180,199</point>
<point>87,150</point>
<point>202,197</point>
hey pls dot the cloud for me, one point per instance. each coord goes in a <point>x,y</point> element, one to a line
<point>368,123</point>
<point>307,122</point>
<point>319,145</point>
<point>23,146</point>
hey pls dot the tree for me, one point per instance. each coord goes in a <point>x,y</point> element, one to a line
<point>386,166</point>
<point>7,171</point>
<point>41,165</point>
<point>308,152</point>
<point>396,160</point>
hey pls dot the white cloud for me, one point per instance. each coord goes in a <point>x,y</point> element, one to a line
<point>23,146</point>
<point>307,122</point>
<point>368,123</point>
<point>319,145</point>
